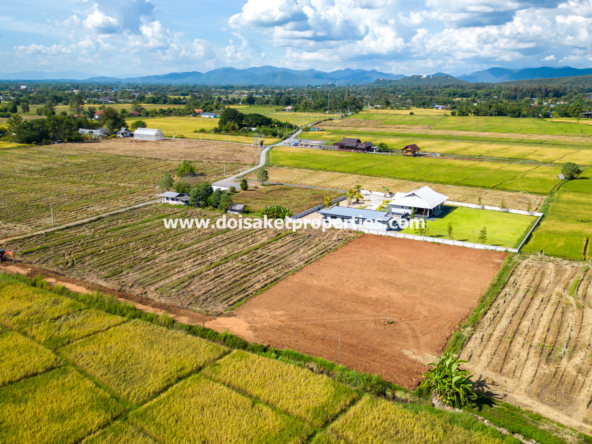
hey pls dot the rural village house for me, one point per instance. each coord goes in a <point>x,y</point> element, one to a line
<point>124,132</point>
<point>173,198</point>
<point>351,144</point>
<point>424,201</point>
<point>411,150</point>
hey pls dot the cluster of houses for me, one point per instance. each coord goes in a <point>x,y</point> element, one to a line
<point>139,134</point>
<point>423,202</point>
<point>200,113</point>
<point>356,145</point>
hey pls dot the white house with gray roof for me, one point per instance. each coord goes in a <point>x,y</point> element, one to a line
<point>424,201</point>
<point>170,197</point>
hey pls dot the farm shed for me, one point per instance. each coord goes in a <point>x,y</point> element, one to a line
<point>424,201</point>
<point>587,115</point>
<point>355,145</point>
<point>411,150</point>
<point>209,115</point>
<point>94,133</point>
<point>173,198</point>
<point>148,134</point>
<point>370,219</point>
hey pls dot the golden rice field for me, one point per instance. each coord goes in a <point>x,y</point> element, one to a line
<point>296,391</point>
<point>22,357</point>
<point>138,360</point>
<point>140,383</point>
<point>185,126</point>
<point>77,185</point>
<point>344,181</point>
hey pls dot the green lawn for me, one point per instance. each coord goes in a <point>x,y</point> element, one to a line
<point>503,229</point>
<point>508,176</point>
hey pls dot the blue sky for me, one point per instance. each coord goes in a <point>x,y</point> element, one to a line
<point>144,37</point>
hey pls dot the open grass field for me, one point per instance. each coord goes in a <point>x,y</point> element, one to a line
<point>343,181</point>
<point>432,288</point>
<point>513,177</point>
<point>196,268</point>
<point>294,198</point>
<point>440,121</point>
<point>77,184</point>
<point>185,126</point>
<point>138,360</point>
<point>534,342</point>
<point>233,155</point>
<point>253,399</point>
<point>538,153</point>
<point>313,398</point>
<point>503,229</point>
<point>567,226</point>
<point>4,145</point>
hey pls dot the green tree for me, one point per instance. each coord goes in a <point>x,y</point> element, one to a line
<point>483,235</point>
<point>479,202</point>
<point>262,175</point>
<point>230,115</point>
<point>61,127</point>
<point>77,104</point>
<point>25,107</point>
<point>449,230</point>
<point>138,124</point>
<point>528,206</point>
<point>276,212</point>
<point>225,202</point>
<point>386,190</point>
<point>328,202</point>
<point>90,112</point>
<point>244,185</point>
<point>215,198</point>
<point>111,115</point>
<point>49,108</point>
<point>503,204</point>
<point>198,197</point>
<point>186,168</point>
<point>182,187</point>
<point>14,123</point>
<point>451,385</point>
<point>571,171</point>
<point>166,183</point>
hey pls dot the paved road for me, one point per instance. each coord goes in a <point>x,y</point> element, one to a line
<point>233,181</point>
<point>78,222</point>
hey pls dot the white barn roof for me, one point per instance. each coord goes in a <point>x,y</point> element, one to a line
<point>148,134</point>
<point>423,197</point>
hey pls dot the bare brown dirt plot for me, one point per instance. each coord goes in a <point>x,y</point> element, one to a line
<point>178,149</point>
<point>431,287</point>
<point>535,344</point>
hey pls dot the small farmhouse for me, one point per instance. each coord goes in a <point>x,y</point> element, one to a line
<point>411,150</point>
<point>369,219</point>
<point>288,109</point>
<point>424,202</point>
<point>236,209</point>
<point>351,144</point>
<point>209,115</point>
<point>148,134</point>
<point>587,115</point>
<point>124,132</point>
<point>170,197</point>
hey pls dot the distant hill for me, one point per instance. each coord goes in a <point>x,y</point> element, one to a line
<point>433,80</point>
<point>498,75</point>
<point>264,75</point>
<point>577,82</point>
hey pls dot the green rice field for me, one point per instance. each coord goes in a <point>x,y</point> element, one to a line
<point>531,178</point>
<point>138,382</point>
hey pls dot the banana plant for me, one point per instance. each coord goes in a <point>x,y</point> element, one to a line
<point>453,385</point>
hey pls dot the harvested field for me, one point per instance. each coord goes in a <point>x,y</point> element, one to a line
<point>78,184</point>
<point>342,181</point>
<point>192,268</point>
<point>534,342</point>
<point>178,149</point>
<point>296,199</point>
<point>346,293</point>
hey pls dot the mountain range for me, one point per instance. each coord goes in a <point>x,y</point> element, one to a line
<point>270,75</point>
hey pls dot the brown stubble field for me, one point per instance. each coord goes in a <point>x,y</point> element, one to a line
<point>534,345</point>
<point>432,289</point>
<point>177,149</point>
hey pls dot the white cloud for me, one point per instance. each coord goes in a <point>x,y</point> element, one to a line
<point>101,23</point>
<point>70,22</point>
<point>548,58</point>
<point>43,50</point>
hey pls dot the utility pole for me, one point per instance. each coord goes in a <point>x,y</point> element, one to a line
<point>51,209</point>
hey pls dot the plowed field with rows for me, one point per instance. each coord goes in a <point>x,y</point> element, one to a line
<point>211,268</point>
<point>77,184</point>
<point>535,342</point>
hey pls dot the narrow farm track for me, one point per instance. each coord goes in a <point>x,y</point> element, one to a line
<point>535,343</point>
<point>77,185</point>
<point>211,268</point>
